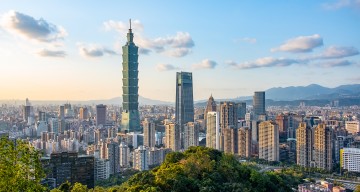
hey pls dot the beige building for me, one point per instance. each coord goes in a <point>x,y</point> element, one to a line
<point>269,141</point>
<point>304,143</point>
<point>172,136</point>
<point>149,133</point>
<point>228,120</point>
<point>212,130</point>
<point>352,127</point>
<point>191,134</point>
<point>323,141</point>
<point>244,142</point>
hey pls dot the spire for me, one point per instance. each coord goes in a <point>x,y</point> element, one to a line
<point>130,35</point>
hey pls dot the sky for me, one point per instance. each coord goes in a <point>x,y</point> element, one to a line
<point>71,50</point>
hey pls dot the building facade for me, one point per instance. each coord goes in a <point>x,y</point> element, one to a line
<point>350,159</point>
<point>304,143</point>
<point>172,136</point>
<point>100,114</point>
<point>213,130</point>
<point>149,133</point>
<point>323,147</point>
<point>130,121</point>
<point>259,103</point>
<point>269,141</point>
<point>191,134</point>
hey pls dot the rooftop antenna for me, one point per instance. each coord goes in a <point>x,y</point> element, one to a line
<point>130,23</point>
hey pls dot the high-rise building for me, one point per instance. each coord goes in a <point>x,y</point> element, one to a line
<point>350,159</point>
<point>304,143</point>
<point>141,158</point>
<point>184,106</point>
<point>323,147</point>
<point>101,168</point>
<point>241,110</point>
<point>259,103</point>
<point>62,112</point>
<point>124,155</point>
<point>191,134</point>
<point>213,130</point>
<point>27,108</point>
<point>100,114</point>
<point>210,107</point>
<point>130,112</point>
<point>244,142</point>
<point>42,116</point>
<point>172,136</point>
<point>228,120</point>
<point>269,141</point>
<point>283,123</point>
<point>83,113</point>
<point>68,166</point>
<point>149,133</point>
<point>113,155</point>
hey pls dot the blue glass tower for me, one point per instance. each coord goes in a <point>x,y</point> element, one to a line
<point>130,115</point>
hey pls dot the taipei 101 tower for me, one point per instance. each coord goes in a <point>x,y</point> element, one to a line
<point>130,121</point>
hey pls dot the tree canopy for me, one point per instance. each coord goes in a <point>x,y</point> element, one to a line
<point>20,166</point>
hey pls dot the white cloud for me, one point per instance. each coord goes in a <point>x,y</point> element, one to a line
<point>36,29</point>
<point>334,52</point>
<point>342,4</point>
<point>94,50</point>
<point>301,44</point>
<point>51,53</point>
<point>335,63</point>
<point>205,64</point>
<point>247,40</point>
<point>178,45</point>
<point>266,62</point>
<point>166,67</point>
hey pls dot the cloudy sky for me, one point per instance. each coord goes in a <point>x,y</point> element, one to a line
<point>72,49</point>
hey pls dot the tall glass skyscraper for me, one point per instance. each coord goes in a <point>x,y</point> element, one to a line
<point>130,115</point>
<point>259,103</point>
<point>184,107</point>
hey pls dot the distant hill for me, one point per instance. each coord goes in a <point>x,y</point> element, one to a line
<point>312,91</point>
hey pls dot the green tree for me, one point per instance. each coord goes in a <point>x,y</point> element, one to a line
<point>20,167</point>
<point>357,189</point>
<point>78,187</point>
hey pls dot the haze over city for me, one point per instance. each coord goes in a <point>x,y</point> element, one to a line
<point>72,50</point>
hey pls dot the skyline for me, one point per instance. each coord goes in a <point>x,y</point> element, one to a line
<point>232,50</point>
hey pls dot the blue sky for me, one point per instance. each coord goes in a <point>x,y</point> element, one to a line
<point>72,49</point>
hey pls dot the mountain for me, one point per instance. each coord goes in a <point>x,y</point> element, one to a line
<point>312,91</point>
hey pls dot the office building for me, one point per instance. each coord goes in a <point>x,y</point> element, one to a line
<point>100,114</point>
<point>27,110</point>
<point>172,136</point>
<point>184,105</point>
<point>61,111</point>
<point>69,166</point>
<point>149,133</point>
<point>101,168</point>
<point>244,142</point>
<point>113,155</point>
<point>269,141</point>
<point>191,134</point>
<point>352,127</point>
<point>83,113</point>
<point>130,121</point>
<point>323,147</point>
<point>210,107</point>
<point>228,120</point>
<point>259,103</point>
<point>213,130</point>
<point>350,159</point>
<point>283,122</point>
<point>141,158</point>
<point>42,116</point>
<point>241,110</point>
<point>304,143</point>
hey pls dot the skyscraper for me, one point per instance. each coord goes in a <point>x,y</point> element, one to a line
<point>27,110</point>
<point>191,134</point>
<point>172,136</point>
<point>228,120</point>
<point>149,133</point>
<point>304,143</point>
<point>269,141</point>
<point>259,103</point>
<point>323,141</point>
<point>244,142</point>
<point>213,130</point>
<point>130,116</point>
<point>210,107</point>
<point>83,113</point>
<point>184,106</point>
<point>100,114</point>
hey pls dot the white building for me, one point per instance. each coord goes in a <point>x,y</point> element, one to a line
<point>352,127</point>
<point>191,134</point>
<point>140,158</point>
<point>101,167</point>
<point>124,155</point>
<point>350,159</point>
<point>269,141</point>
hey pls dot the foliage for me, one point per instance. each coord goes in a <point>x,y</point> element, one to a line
<point>357,189</point>
<point>205,169</point>
<point>20,167</point>
<point>117,179</point>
